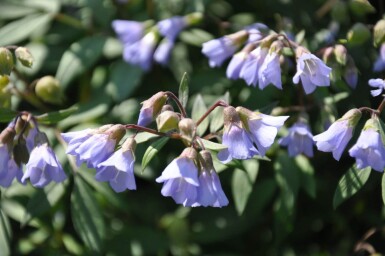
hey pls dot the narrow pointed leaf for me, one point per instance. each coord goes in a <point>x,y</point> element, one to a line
<point>216,117</point>
<point>212,145</point>
<point>183,90</point>
<point>55,117</point>
<point>5,234</point>
<point>350,183</point>
<point>152,150</point>
<point>198,110</point>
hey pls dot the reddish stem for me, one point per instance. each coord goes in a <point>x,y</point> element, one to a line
<point>219,103</point>
<point>176,100</point>
<point>149,130</point>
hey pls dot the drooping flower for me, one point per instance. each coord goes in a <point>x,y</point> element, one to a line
<point>379,65</point>
<point>8,174</point>
<point>369,149</point>
<point>250,69</point>
<point>118,169</point>
<point>171,27</point>
<point>236,138</point>
<point>218,50</point>
<point>210,191</point>
<point>163,51</point>
<point>127,31</point>
<point>377,83</point>
<point>235,66</point>
<point>256,31</point>
<point>6,142</point>
<point>311,71</point>
<point>141,52</point>
<point>96,148</point>
<point>30,138</point>
<point>270,71</point>
<point>339,134</point>
<point>75,139</point>
<point>262,128</point>
<point>43,165</point>
<point>180,178</point>
<point>151,108</point>
<point>299,140</point>
<point>351,76</point>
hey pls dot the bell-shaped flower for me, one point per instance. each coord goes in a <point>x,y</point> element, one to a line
<point>262,128</point>
<point>299,140</point>
<point>235,66</point>
<point>250,69</point>
<point>118,169</point>
<point>256,32</point>
<point>8,174</point>
<point>6,142</point>
<point>151,108</point>
<point>377,83</point>
<point>43,165</point>
<point>180,178</point>
<point>311,71</point>
<point>75,139</point>
<point>379,65</point>
<point>97,147</point>
<point>218,50</point>
<point>236,138</point>
<point>127,31</point>
<point>270,71</point>
<point>163,51</point>
<point>210,192</point>
<point>30,138</point>
<point>369,149</point>
<point>336,138</point>
<point>351,76</point>
<point>141,52</point>
<point>171,27</point>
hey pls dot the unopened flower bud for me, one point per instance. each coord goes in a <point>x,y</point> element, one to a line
<point>167,107</point>
<point>372,123</point>
<point>190,153</point>
<point>6,61</point>
<point>24,56</point>
<point>116,132</point>
<point>361,7</point>
<point>48,89</point>
<point>358,34</point>
<point>328,54</point>
<point>7,135</point>
<point>41,138</point>
<point>341,54</point>
<point>194,18</point>
<point>167,121</point>
<point>353,116</point>
<point>129,144</point>
<point>151,108</point>
<point>379,32</point>
<point>4,80</point>
<point>187,127</point>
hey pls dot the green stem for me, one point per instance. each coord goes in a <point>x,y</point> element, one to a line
<point>68,20</point>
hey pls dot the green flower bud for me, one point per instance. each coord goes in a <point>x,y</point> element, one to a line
<point>361,7</point>
<point>379,32</point>
<point>194,18</point>
<point>48,89</point>
<point>187,127</point>
<point>358,34</point>
<point>4,81</point>
<point>167,121</point>
<point>6,61</point>
<point>372,123</point>
<point>340,53</point>
<point>5,95</point>
<point>24,56</point>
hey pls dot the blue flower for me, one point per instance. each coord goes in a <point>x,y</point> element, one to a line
<point>312,72</point>
<point>299,140</point>
<point>236,138</point>
<point>261,128</point>
<point>338,135</point>
<point>13,170</point>
<point>163,51</point>
<point>369,149</point>
<point>351,76</point>
<point>30,139</point>
<point>256,32</point>
<point>235,65</point>
<point>118,169</point>
<point>43,165</point>
<point>379,65</point>
<point>151,108</point>
<point>209,192</point>
<point>4,156</point>
<point>180,178</point>
<point>171,27</point>
<point>128,32</point>
<point>377,83</point>
<point>75,139</point>
<point>250,68</point>
<point>270,71</point>
<point>218,50</point>
<point>141,52</point>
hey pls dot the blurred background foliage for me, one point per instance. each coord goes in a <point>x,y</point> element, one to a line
<point>285,206</point>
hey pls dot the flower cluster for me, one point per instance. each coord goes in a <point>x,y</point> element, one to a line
<point>31,147</point>
<point>142,41</point>
<point>258,62</point>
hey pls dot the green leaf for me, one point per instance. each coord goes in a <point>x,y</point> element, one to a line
<point>124,80</point>
<point>43,200</point>
<point>80,57</point>
<point>14,11</point>
<point>7,115</point>
<point>87,216</point>
<point>379,32</point>
<point>308,181</point>
<point>55,117</point>
<point>183,90</point>
<point>144,136</point>
<point>212,145</point>
<point>195,37</point>
<point>198,110</point>
<point>152,150</point>
<point>5,234</point>
<point>350,183</point>
<point>101,7</point>
<point>216,116</point>
<point>383,188</point>
<point>21,29</point>
<point>242,184</point>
